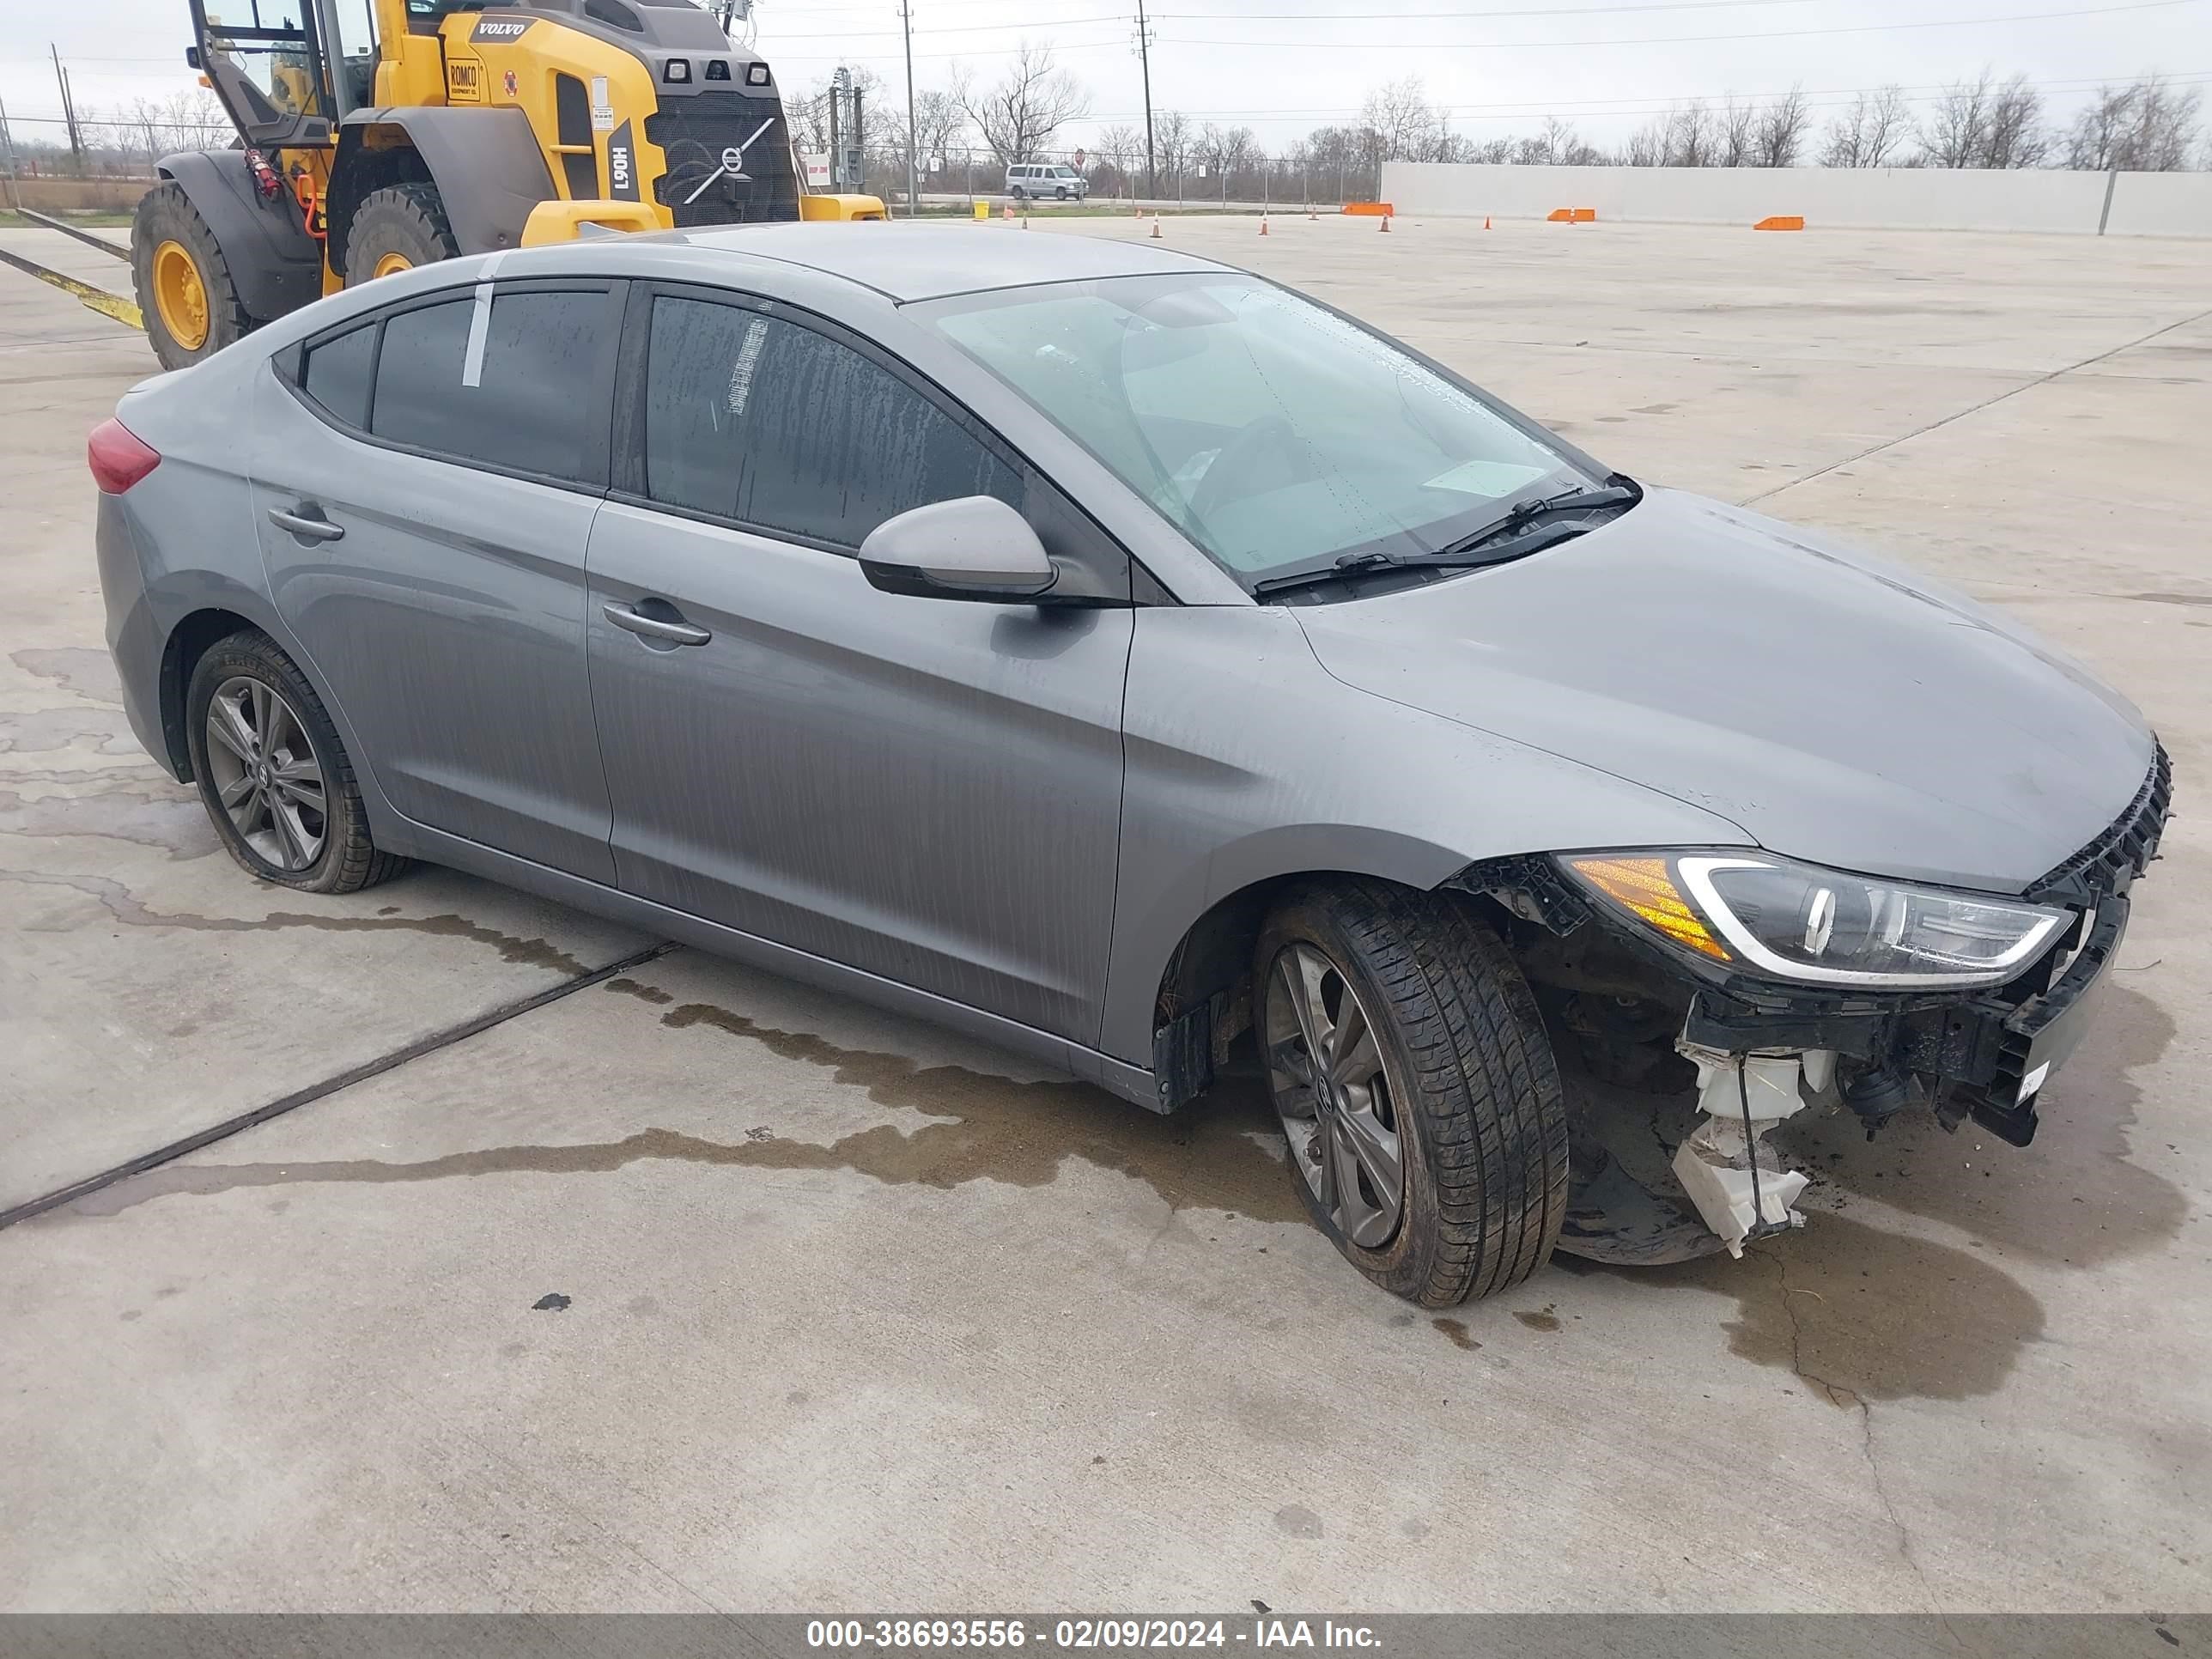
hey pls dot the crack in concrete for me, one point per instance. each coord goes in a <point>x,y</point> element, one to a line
<point>1839,1396</point>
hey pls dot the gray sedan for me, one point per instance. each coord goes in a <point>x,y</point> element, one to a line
<point>1155,671</point>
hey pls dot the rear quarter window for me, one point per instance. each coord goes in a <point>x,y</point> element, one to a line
<point>338,374</point>
<point>524,399</point>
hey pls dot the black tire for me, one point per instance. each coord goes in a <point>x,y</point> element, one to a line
<point>166,215</point>
<point>1061,192</point>
<point>400,222</point>
<point>348,860</point>
<point>1475,1100</point>
<point>1017,192</point>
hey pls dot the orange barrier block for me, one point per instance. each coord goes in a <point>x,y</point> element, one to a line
<point>1573,216</point>
<point>1369,210</point>
<point>1781,222</point>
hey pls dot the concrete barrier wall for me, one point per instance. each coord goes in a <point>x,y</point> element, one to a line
<point>1901,198</point>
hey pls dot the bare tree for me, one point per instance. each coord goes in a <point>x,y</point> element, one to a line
<point>1122,147</point>
<point>1019,114</point>
<point>1691,138</point>
<point>1782,128</point>
<point>2148,127</point>
<point>1984,124</point>
<point>1171,142</point>
<point>2018,136</point>
<point>1410,127</point>
<point>1735,130</point>
<point>939,122</point>
<point>1869,135</point>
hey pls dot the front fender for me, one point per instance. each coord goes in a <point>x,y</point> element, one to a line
<point>275,265</point>
<point>487,164</point>
<point>1311,776</point>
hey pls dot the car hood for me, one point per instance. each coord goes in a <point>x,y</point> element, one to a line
<point>1834,707</point>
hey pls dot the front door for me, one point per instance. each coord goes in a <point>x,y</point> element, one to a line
<point>424,511</point>
<point>928,790</point>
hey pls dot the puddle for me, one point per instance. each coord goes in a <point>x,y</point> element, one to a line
<point>169,818</point>
<point>125,907</point>
<point>976,1126</point>
<point>85,670</point>
<point>2074,1197</point>
<point>1863,1314</point>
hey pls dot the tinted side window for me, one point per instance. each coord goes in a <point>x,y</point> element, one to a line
<point>338,374</point>
<point>532,402</point>
<point>756,419</point>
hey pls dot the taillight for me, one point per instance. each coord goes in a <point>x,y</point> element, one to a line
<point>118,457</point>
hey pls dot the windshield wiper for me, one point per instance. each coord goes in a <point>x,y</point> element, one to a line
<point>1518,534</point>
<point>1534,513</point>
<point>1368,564</point>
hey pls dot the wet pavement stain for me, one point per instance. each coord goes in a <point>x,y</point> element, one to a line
<point>1860,1314</point>
<point>1548,1320</point>
<point>170,819</point>
<point>49,731</point>
<point>1456,1330</point>
<point>125,907</point>
<point>624,986</point>
<point>979,1125</point>
<point>85,669</point>
<point>2074,1197</point>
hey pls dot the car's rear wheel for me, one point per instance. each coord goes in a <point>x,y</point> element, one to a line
<point>272,774</point>
<point>397,228</point>
<point>186,298</point>
<point>1415,1084</point>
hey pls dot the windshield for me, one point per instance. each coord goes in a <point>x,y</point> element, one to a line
<point>1275,433</point>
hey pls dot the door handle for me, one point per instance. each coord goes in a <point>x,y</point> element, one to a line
<point>652,627</point>
<point>306,528</point>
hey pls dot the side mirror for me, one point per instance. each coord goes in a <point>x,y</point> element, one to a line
<point>975,548</point>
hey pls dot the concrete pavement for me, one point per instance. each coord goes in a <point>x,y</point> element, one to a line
<point>695,1289</point>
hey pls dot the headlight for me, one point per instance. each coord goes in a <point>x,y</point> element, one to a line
<point>1797,921</point>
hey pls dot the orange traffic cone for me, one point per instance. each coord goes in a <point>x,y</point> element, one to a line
<point>1263,224</point>
<point>1313,217</point>
<point>1386,224</point>
<point>1155,227</point>
<point>1486,221</point>
<point>1010,213</point>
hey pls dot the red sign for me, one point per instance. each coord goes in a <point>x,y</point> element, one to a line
<point>1078,158</point>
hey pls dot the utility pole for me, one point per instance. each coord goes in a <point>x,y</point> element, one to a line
<point>1145,55</point>
<point>68,106</point>
<point>8,150</point>
<point>913,127</point>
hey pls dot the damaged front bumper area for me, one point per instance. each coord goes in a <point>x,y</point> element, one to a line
<point>1691,1046</point>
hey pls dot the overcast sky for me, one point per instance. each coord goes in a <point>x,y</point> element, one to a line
<point>1283,66</point>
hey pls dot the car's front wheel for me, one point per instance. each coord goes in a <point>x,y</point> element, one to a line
<point>1416,1087</point>
<point>1061,193</point>
<point>272,774</point>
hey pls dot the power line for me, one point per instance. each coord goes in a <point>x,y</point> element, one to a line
<point>1688,39</point>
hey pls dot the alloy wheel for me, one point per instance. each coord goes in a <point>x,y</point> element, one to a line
<point>1333,1097</point>
<point>265,773</point>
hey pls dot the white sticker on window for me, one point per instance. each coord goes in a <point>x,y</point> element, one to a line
<point>479,328</point>
<point>741,371</point>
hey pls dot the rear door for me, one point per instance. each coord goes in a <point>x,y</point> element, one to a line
<point>928,790</point>
<point>425,520</point>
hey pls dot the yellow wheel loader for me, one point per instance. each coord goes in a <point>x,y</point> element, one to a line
<point>435,128</point>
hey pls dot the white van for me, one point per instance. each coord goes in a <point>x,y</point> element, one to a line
<point>1060,182</point>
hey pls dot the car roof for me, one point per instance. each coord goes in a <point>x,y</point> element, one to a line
<point>925,262</point>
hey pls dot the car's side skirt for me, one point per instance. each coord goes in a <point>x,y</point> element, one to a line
<point>1130,1083</point>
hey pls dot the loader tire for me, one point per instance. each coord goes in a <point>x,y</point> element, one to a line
<point>185,295</point>
<point>397,228</point>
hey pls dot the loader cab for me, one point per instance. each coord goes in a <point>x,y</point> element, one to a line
<point>266,63</point>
